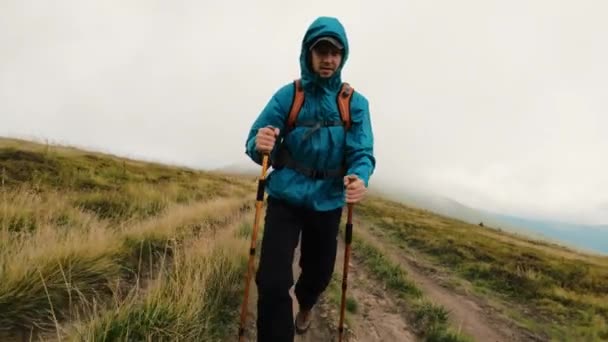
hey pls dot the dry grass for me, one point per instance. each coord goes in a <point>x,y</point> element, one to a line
<point>84,234</point>
<point>41,270</point>
<point>553,291</point>
<point>97,247</point>
<point>194,297</point>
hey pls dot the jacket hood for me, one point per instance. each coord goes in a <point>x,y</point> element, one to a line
<point>322,26</point>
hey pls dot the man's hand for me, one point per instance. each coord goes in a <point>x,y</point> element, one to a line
<point>355,188</point>
<point>265,139</point>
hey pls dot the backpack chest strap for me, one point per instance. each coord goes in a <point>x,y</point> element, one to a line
<point>318,123</point>
<point>283,159</point>
<point>314,173</point>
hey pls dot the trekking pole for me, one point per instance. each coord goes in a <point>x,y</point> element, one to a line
<point>258,209</point>
<point>348,238</point>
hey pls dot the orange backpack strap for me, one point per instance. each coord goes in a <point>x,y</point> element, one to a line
<point>296,104</point>
<point>346,94</point>
<point>344,99</point>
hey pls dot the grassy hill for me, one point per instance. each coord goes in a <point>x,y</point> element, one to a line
<point>584,237</point>
<point>97,247</point>
<point>553,291</point>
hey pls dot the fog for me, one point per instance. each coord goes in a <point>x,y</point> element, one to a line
<point>499,105</point>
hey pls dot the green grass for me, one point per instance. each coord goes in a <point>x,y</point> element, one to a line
<point>430,321</point>
<point>334,290</point>
<point>428,317</point>
<point>351,305</point>
<point>386,271</point>
<point>446,335</point>
<point>86,238</point>
<point>86,241</point>
<point>333,295</point>
<point>565,293</point>
<point>107,186</point>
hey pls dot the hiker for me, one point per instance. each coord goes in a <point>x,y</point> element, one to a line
<point>318,166</point>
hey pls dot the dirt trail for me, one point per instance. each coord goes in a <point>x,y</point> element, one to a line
<point>319,330</point>
<point>467,312</point>
<point>376,319</point>
<point>379,315</point>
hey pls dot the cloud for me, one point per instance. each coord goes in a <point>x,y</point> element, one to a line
<point>499,105</point>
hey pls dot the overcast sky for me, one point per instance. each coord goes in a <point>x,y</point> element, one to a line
<point>501,105</point>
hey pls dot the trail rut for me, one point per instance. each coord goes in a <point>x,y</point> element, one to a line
<point>377,317</point>
<point>380,315</point>
<point>468,313</point>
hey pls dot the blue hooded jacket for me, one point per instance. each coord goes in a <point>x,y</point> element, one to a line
<point>324,148</point>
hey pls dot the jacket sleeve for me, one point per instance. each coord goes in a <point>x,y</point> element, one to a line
<point>273,114</point>
<point>360,158</point>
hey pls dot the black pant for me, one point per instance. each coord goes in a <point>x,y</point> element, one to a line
<point>282,228</point>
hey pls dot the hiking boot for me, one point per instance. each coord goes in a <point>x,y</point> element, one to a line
<point>302,322</point>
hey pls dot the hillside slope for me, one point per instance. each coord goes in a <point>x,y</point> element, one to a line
<point>95,247</point>
<point>589,238</point>
<point>550,291</point>
<point>98,247</point>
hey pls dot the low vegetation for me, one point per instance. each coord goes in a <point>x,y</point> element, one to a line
<point>558,293</point>
<point>93,247</point>
<point>96,247</point>
<point>193,297</point>
<point>429,320</point>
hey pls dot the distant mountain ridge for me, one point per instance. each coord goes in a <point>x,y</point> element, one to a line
<point>582,236</point>
<point>589,238</point>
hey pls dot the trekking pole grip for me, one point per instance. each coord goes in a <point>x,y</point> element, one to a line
<point>349,225</point>
<point>262,180</point>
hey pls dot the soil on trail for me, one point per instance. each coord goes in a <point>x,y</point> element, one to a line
<point>377,317</point>
<point>379,314</point>
<point>468,313</point>
<point>319,330</point>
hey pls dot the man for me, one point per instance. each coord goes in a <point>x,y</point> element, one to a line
<point>298,201</point>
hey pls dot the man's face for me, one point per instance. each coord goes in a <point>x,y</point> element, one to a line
<point>326,59</point>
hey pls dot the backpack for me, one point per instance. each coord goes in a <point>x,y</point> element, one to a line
<point>284,158</point>
<point>343,100</point>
